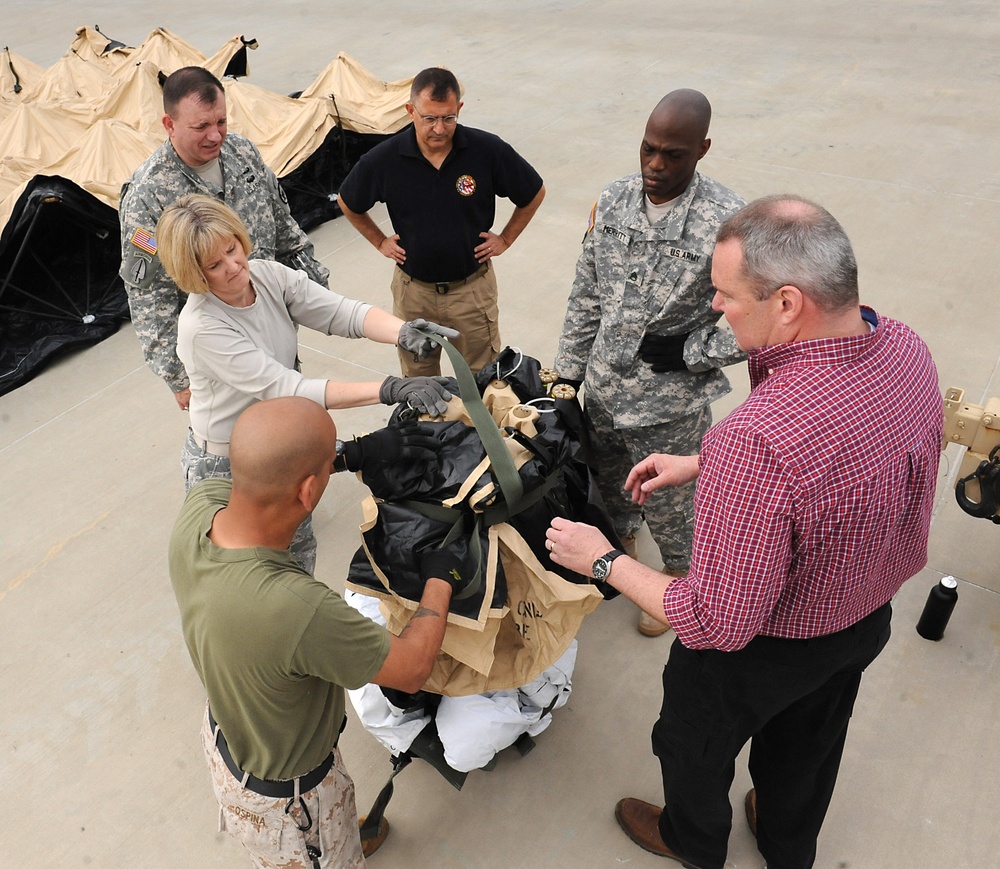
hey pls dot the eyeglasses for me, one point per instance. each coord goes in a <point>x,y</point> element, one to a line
<point>432,120</point>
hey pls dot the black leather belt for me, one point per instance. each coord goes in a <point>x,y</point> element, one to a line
<point>442,287</point>
<point>267,787</point>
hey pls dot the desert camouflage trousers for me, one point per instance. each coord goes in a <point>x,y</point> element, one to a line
<point>199,465</point>
<point>273,837</point>
<point>669,512</point>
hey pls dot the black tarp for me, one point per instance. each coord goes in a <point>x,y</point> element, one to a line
<point>312,188</point>
<point>59,285</point>
<point>557,472</point>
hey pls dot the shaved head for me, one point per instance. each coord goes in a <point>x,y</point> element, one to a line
<point>684,110</point>
<point>276,444</point>
<point>676,138</point>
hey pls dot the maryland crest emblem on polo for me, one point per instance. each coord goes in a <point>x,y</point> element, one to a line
<point>465,185</point>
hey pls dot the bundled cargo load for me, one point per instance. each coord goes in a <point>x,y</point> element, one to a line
<point>511,459</point>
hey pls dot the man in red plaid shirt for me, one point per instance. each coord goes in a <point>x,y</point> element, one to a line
<point>813,507</point>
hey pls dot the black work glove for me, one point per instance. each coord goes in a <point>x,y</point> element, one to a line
<point>453,563</point>
<point>409,442</point>
<point>424,394</point>
<point>420,346</point>
<point>663,352</point>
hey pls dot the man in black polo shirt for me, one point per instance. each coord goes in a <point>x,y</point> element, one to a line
<point>439,181</point>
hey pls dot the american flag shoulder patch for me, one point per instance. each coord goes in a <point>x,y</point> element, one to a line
<point>144,241</point>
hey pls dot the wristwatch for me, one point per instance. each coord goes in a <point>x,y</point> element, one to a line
<point>339,459</point>
<point>602,567</point>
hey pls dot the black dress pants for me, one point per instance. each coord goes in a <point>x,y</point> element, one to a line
<point>793,700</point>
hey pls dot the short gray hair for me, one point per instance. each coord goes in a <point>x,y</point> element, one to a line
<point>789,240</point>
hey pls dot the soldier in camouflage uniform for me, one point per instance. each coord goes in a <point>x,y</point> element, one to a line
<point>198,157</point>
<point>640,332</point>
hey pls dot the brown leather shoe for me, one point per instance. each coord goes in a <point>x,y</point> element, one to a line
<point>371,845</point>
<point>750,807</point>
<point>639,820</point>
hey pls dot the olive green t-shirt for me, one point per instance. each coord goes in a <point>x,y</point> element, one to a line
<point>274,647</point>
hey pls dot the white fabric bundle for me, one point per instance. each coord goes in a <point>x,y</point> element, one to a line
<point>473,728</point>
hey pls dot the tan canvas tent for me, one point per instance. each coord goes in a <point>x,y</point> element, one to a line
<point>362,102</point>
<point>17,79</point>
<point>71,135</point>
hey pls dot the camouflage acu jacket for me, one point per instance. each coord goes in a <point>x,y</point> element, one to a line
<point>251,190</point>
<point>633,278</point>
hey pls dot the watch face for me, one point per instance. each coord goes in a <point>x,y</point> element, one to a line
<point>602,567</point>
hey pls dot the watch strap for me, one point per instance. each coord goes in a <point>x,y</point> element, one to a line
<point>607,559</point>
<point>339,460</point>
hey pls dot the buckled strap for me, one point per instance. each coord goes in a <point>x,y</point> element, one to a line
<point>501,460</point>
<point>266,787</point>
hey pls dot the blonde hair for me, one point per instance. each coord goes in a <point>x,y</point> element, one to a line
<point>188,234</point>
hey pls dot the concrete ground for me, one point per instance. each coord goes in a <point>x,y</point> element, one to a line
<point>885,112</point>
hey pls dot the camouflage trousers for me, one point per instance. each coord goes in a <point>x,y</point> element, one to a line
<point>669,512</point>
<point>472,309</point>
<point>273,837</point>
<point>199,465</point>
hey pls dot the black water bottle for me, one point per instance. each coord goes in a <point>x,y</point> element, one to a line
<point>940,603</point>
